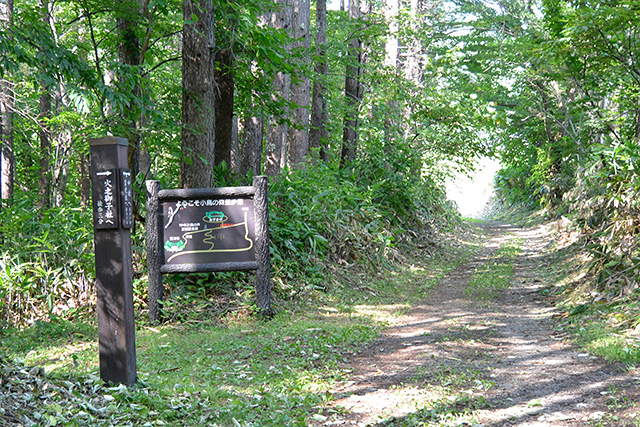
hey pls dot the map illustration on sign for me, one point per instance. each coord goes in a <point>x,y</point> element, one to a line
<point>208,231</point>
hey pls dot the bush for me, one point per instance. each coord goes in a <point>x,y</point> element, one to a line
<point>46,266</point>
<point>322,217</point>
<point>607,205</point>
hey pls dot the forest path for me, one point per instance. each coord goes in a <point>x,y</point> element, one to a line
<point>456,361</point>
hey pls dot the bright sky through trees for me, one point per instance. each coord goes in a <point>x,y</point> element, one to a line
<point>472,192</point>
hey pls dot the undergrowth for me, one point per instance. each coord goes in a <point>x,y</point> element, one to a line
<point>230,371</point>
<point>610,330</point>
<point>46,263</point>
<point>321,221</point>
<point>347,258</point>
<point>605,206</point>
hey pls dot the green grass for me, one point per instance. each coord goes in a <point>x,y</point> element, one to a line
<point>605,329</point>
<point>256,373</point>
<point>233,371</point>
<point>608,330</point>
<point>490,279</point>
<point>273,373</point>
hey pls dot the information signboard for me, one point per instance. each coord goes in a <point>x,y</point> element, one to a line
<point>202,230</point>
<point>208,231</point>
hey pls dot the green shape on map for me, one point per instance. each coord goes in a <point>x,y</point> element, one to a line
<point>170,246</point>
<point>215,215</point>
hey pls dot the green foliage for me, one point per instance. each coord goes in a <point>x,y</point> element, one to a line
<point>320,217</point>
<point>607,329</point>
<point>271,373</point>
<point>570,140</point>
<point>59,331</point>
<point>239,371</point>
<point>49,269</point>
<point>606,204</point>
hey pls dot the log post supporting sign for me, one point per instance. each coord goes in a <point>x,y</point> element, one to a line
<point>208,230</point>
<point>263,268</point>
<point>154,252</point>
<point>113,218</point>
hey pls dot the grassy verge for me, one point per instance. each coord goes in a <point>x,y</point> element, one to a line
<point>235,371</point>
<point>608,330</point>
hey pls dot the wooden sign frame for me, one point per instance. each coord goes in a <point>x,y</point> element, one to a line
<point>208,230</point>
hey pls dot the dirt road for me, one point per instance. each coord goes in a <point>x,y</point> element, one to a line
<point>455,361</point>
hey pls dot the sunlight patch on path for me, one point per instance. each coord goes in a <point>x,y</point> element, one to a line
<point>398,402</point>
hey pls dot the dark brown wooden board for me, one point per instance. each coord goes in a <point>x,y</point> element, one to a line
<point>208,230</point>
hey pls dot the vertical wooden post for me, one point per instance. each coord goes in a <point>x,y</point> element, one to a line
<point>154,251</point>
<point>263,273</point>
<point>112,237</point>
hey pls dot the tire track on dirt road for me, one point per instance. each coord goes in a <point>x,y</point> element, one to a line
<point>453,361</point>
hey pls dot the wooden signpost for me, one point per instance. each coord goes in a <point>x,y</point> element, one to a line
<point>196,230</point>
<point>113,218</point>
<point>208,230</point>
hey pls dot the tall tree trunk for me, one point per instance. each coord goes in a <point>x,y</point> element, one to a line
<point>85,180</point>
<point>392,62</point>
<point>235,144</point>
<point>44,133</point>
<point>392,46</point>
<point>129,55</point>
<point>413,67</point>
<point>7,163</point>
<point>318,133</point>
<point>7,102</point>
<point>637,126</point>
<point>252,145</point>
<point>132,15</point>
<point>144,157</point>
<point>131,50</point>
<point>301,89</point>
<point>277,128</point>
<point>352,89</point>
<point>224,93</point>
<point>61,166</point>
<point>198,97</point>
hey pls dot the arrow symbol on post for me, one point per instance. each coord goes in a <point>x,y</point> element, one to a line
<point>105,173</point>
